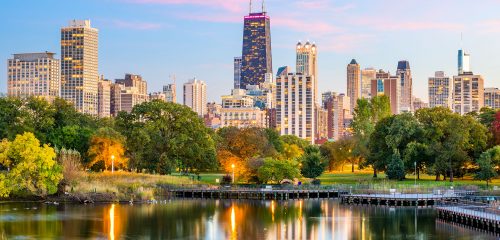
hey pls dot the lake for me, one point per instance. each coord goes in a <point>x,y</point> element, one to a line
<point>225,219</point>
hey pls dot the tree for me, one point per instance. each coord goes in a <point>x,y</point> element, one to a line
<point>396,169</point>
<point>488,164</point>
<point>106,146</point>
<point>275,170</point>
<point>313,164</point>
<point>495,128</point>
<point>33,168</point>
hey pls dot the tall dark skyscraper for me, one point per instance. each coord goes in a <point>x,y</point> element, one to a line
<point>256,54</point>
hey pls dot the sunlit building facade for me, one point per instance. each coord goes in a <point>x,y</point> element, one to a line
<point>33,75</point>
<point>463,62</point>
<point>307,62</point>
<point>237,99</point>
<point>243,117</point>
<point>195,96</point>
<point>492,98</point>
<point>134,91</point>
<point>390,86</point>
<point>440,90</point>
<point>406,81</point>
<point>256,54</point>
<point>295,106</point>
<point>79,66</point>
<point>468,93</point>
<point>237,72</point>
<point>338,110</point>
<point>367,75</point>
<point>170,92</point>
<point>353,83</point>
<point>104,98</point>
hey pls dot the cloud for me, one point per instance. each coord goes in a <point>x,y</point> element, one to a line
<point>489,26</point>
<point>135,25</point>
<point>345,42</point>
<point>316,28</point>
<point>398,25</point>
<point>228,5</point>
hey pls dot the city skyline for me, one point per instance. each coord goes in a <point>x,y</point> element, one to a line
<point>136,36</point>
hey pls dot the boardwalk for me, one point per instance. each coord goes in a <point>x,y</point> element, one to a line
<point>278,194</point>
<point>399,199</point>
<point>475,218</point>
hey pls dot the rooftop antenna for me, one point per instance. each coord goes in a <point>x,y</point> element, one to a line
<point>250,9</point>
<point>461,40</point>
<point>263,6</point>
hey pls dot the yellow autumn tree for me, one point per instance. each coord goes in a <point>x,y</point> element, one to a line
<point>105,145</point>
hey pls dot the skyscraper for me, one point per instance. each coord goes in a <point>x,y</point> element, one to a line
<point>492,98</point>
<point>367,75</point>
<point>390,86</point>
<point>468,93</point>
<point>256,53</point>
<point>134,91</point>
<point>79,66</point>
<point>353,83</point>
<point>237,72</point>
<point>404,74</point>
<point>170,92</point>
<point>33,74</point>
<point>295,106</point>
<point>440,91</point>
<point>195,96</point>
<point>307,63</point>
<point>463,62</point>
<point>337,107</point>
<point>104,98</point>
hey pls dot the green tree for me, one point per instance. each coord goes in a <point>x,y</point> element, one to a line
<point>33,168</point>
<point>396,169</point>
<point>313,164</point>
<point>486,167</point>
<point>275,170</point>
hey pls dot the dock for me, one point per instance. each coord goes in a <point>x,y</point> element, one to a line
<point>475,218</point>
<point>399,199</point>
<point>258,194</point>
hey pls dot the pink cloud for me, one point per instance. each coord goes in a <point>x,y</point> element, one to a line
<point>345,42</point>
<point>489,26</point>
<point>301,25</point>
<point>398,25</point>
<point>135,25</point>
<point>229,5</point>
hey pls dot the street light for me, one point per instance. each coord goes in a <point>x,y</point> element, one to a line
<point>415,173</point>
<point>232,166</point>
<point>112,163</point>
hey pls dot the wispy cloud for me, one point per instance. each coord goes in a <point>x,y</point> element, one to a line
<point>489,26</point>
<point>135,25</point>
<point>229,5</point>
<point>398,25</point>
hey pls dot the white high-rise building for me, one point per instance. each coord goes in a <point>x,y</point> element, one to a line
<point>468,93</point>
<point>406,81</point>
<point>195,96</point>
<point>295,106</point>
<point>237,72</point>
<point>307,63</point>
<point>33,74</point>
<point>353,83</point>
<point>463,62</point>
<point>440,90</point>
<point>79,66</point>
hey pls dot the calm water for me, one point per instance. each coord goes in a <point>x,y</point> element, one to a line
<point>224,219</point>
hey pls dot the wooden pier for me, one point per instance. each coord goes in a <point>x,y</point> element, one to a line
<point>398,199</point>
<point>262,194</point>
<point>480,220</point>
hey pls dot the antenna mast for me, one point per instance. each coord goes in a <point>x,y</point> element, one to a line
<point>263,6</point>
<point>250,9</point>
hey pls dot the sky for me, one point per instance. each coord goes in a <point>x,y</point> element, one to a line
<point>200,38</point>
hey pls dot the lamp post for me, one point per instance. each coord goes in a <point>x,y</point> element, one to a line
<point>232,166</point>
<point>415,163</point>
<point>112,163</point>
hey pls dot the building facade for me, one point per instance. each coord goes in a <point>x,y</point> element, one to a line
<point>463,62</point>
<point>115,101</point>
<point>353,83</point>
<point>338,110</point>
<point>440,90</point>
<point>390,86</point>
<point>195,96</point>
<point>492,98</point>
<point>367,75</point>
<point>468,93</point>
<point>134,91</point>
<point>256,53</point>
<point>157,96</point>
<point>405,77</point>
<point>104,98</point>
<point>243,117</point>
<point>237,99</point>
<point>79,66</point>
<point>237,72</point>
<point>33,74</point>
<point>170,93</point>
<point>307,62</point>
<point>295,106</point>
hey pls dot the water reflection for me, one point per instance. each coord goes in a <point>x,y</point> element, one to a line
<point>218,219</point>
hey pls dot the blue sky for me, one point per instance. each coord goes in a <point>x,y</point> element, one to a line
<point>158,38</point>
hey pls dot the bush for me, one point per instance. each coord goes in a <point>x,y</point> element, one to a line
<point>226,179</point>
<point>316,182</point>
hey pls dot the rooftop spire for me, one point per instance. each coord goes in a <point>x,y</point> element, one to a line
<point>250,9</point>
<point>263,6</point>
